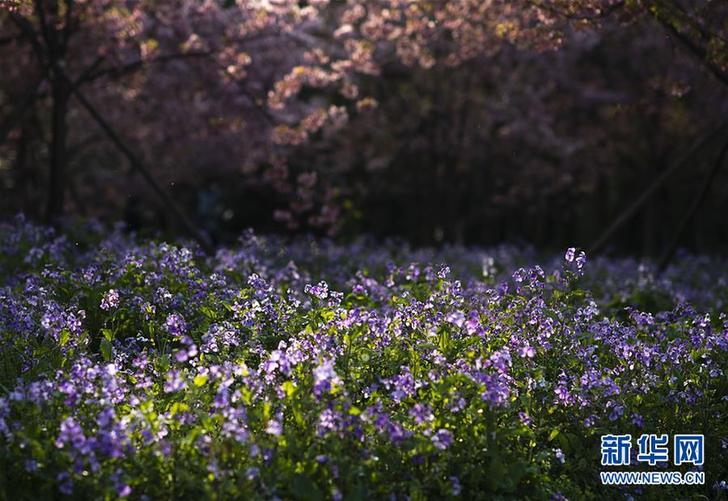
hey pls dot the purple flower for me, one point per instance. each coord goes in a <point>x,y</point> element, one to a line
<point>65,484</point>
<point>175,324</point>
<point>442,439</point>
<point>274,427</point>
<point>421,413</point>
<point>528,352</point>
<point>72,434</point>
<point>500,360</point>
<point>148,310</point>
<point>397,433</point>
<point>258,283</point>
<point>458,404</point>
<point>174,382</point>
<point>106,417</point>
<point>324,377</point>
<point>320,291</point>
<point>570,254</point>
<point>443,273</point>
<point>456,487</point>
<point>497,388</point>
<point>121,487</point>
<point>472,324</point>
<point>637,420</point>
<point>188,352</point>
<point>110,300</point>
<point>162,296</point>
<point>616,412</point>
<point>563,395</point>
<point>385,425</point>
<point>328,421</point>
<point>402,385</point>
<point>456,318</point>
<point>578,260</point>
<point>252,473</point>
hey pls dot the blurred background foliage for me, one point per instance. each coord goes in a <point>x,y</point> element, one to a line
<point>517,141</point>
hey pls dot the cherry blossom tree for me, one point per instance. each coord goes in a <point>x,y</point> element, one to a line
<point>324,101</point>
<point>133,53</point>
<point>167,74</point>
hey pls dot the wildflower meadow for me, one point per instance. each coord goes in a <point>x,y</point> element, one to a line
<point>398,250</point>
<point>303,369</point>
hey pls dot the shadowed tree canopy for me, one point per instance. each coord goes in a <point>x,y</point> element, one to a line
<point>472,121</point>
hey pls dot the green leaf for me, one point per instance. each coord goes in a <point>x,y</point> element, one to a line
<point>178,407</point>
<point>289,388</point>
<point>108,335</point>
<point>305,488</point>
<point>65,336</point>
<point>106,349</point>
<point>163,362</point>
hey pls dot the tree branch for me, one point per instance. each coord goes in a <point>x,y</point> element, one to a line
<point>67,28</point>
<point>697,51</point>
<point>630,211</point>
<point>28,31</point>
<point>116,72</point>
<point>694,207</point>
<point>137,165</point>
<point>18,113</point>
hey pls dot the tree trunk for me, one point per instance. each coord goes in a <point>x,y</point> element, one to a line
<point>57,165</point>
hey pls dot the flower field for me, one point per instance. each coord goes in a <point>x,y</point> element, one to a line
<point>307,370</point>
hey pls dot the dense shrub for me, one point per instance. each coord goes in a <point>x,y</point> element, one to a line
<point>309,370</point>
